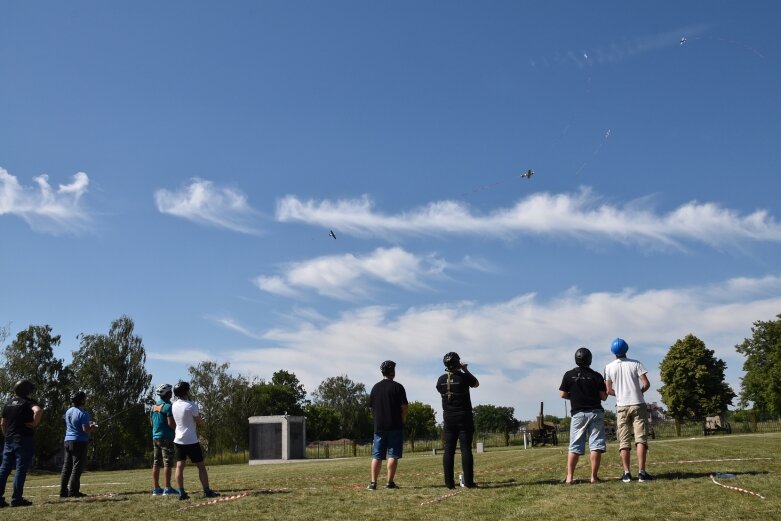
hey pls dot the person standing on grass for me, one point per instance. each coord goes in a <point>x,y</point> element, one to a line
<point>21,415</point>
<point>626,380</point>
<point>163,426</point>
<point>78,427</point>
<point>187,418</point>
<point>388,402</point>
<point>586,390</point>
<point>459,424</point>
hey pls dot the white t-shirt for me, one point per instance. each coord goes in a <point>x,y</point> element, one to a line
<point>184,413</point>
<point>624,373</point>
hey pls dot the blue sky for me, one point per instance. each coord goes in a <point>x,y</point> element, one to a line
<point>183,162</point>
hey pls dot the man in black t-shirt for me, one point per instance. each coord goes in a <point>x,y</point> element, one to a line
<point>586,390</point>
<point>388,402</point>
<point>459,424</point>
<point>21,415</point>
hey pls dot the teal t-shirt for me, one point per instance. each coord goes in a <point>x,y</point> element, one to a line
<point>160,413</point>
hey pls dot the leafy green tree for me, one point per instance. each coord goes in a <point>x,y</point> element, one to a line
<point>420,422</point>
<point>693,380</point>
<point>322,422</point>
<point>31,356</point>
<point>762,381</point>
<point>110,368</point>
<point>491,418</point>
<point>350,401</point>
<point>210,387</point>
<point>289,395</point>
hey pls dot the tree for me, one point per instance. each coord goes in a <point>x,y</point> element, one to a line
<point>111,370</point>
<point>762,382</point>
<point>490,418</point>
<point>289,395</point>
<point>693,380</point>
<point>210,386</point>
<point>322,422</point>
<point>31,356</point>
<point>420,422</point>
<point>350,401</point>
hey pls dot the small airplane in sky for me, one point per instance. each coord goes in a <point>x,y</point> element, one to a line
<point>332,234</point>
<point>528,175</point>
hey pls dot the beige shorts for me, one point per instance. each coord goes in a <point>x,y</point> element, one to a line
<point>631,420</point>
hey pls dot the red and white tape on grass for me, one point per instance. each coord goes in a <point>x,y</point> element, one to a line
<point>736,489</point>
<point>233,497</point>
<point>440,498</point>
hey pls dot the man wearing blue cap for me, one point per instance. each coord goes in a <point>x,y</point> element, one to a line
<point>626,379</point>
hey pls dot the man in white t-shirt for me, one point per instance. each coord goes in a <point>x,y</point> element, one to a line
<point>626,380</point>
<point>187,417</point>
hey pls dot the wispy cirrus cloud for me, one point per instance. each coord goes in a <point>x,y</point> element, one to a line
<point>621,50</point>
<point>350,276</point>
<point>202,202</point>
<point>44,208</point>
<point>580,215</point>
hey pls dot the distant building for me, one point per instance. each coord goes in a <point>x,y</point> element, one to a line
<point>656,414</point>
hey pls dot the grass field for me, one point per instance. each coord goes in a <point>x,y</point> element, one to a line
<point>514,484</point>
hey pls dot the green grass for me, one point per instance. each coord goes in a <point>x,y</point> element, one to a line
<point>515,484</point>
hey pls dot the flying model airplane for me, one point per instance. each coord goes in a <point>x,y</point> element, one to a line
<point>528,175</point>
<point>332,234</point>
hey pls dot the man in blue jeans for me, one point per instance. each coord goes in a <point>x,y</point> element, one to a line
<point>586,390</point>
<point>21,415</point>
<point>388,402</point>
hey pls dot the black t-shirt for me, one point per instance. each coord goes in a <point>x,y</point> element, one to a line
<point>386,400</point>
<point>17,412</point>
<point>583,385</point>
<point>454,388</point>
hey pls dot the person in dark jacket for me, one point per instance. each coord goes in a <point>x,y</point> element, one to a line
<point>21,415</point>
<point>459,424</point>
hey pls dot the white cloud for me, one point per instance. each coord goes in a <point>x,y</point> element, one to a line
<point>204,203</point>
<point>580,215</point>
<point>519,348</point>
<point>46,209</point>
<point>349,276</point>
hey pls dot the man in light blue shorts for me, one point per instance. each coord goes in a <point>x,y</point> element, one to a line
<point>586,390</point>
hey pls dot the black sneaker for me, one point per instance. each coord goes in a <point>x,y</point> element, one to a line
<point>471,485</point>
<point>210,493</point>
<point>3,503</point>
<point>183,496</point>
<point>391,484</point>
<point>372,486</point>
<point>627,477</point>
<point>77,494</point>
<point>22,503</point>
<point>644,476</point>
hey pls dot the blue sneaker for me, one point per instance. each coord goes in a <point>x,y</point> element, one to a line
<point>158,491</point>
<point>168,491</point>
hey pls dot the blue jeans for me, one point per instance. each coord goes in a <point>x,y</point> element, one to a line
<point>587,424</point>
<point>18,452</point>
<point>388,443</point>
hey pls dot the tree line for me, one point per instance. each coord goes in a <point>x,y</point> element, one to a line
<point>110,368</point>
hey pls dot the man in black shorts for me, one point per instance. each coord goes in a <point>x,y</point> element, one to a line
<point>186,419</point>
